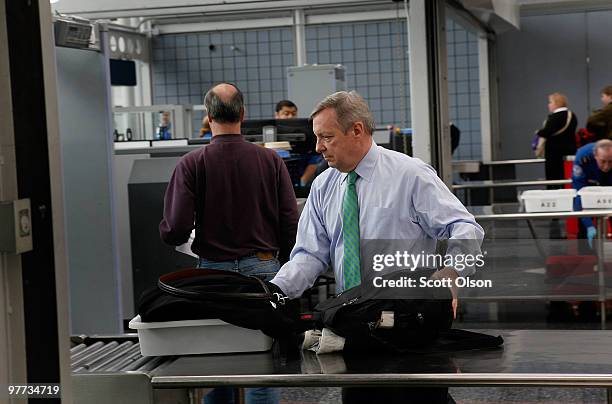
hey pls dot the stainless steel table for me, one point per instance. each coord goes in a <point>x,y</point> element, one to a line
<point>508,183</point>
<point>512,162</point>
<point>511,212</point>
<point>492,184</point>
<point>493,164</point>
<point>465,166</point>
<point>473,166</point>
<point>576,358</point>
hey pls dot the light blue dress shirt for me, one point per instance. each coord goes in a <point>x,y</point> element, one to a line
<point>400,197</point>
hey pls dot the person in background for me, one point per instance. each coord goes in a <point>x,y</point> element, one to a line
<point>165,126</point>
<point>312,161</point>
<point>285,109</point>
<point>369,192</point>
<point>600,122</point>
<point>244,222</point>
<point>205,129</point>
<point>455,135</point>
<point>592,167</point>
<point>559,132</point>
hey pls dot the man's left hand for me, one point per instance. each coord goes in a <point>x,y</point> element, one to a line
<point>449,273</point>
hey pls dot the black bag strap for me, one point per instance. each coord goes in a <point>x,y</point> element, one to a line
<point>164,284</point>
<point>452,340</point>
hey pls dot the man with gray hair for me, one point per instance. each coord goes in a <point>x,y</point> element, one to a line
<point>592,167</point>
<point>241,198</point>
<point>368,193</point>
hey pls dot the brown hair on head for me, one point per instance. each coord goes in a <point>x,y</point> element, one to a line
<point>350,107</point>
<point>559,99</point>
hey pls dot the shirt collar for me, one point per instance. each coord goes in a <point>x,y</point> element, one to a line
<point>365,168</point>
<point>560,110</point>
<point>227,138</point>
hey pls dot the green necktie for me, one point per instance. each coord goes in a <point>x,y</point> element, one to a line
<point>350,234</point>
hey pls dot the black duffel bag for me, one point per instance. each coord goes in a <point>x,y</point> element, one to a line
<point>420,325</point>
<point>245,301</point>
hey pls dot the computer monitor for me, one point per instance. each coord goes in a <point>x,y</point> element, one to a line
<point>252,129</point>
<point>122,72</point>
<point>291,129</point>
<point>298,132</point>
<point>200,140</point>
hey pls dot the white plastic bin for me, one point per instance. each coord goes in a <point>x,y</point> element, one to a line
<point>197,337</point>
<point>596,197</point>
<point>554,200</point>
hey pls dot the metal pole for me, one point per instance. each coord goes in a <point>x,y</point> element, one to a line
<point>491,192</point>
<point>419,89</point>
<point>81,354</point>
<point>437,58</point>
<point>601,268</point>
<point>92,357</point>
<point>299,22</point>
<point>485,100</point>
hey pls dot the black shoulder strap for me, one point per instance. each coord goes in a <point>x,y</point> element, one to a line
<point>164,284</point>
<point>454,340</point>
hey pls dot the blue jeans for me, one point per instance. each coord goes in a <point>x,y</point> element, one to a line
<point>252,395</point>
<point>265,269</point>
<point>250,265</point>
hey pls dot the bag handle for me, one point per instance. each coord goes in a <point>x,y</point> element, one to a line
<point>567,124</point>
<point>164,280</point>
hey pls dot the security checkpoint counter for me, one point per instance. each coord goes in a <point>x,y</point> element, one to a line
<point>512,212</point>
<point>552,358</point>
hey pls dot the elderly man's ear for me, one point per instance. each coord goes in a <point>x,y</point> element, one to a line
<point>358,129</point>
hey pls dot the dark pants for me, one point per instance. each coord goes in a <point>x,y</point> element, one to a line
<point>553,166</point>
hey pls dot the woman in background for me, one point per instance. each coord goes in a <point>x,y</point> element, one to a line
<point>559,134</point>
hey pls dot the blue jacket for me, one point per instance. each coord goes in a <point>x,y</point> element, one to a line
<point>586,173</point>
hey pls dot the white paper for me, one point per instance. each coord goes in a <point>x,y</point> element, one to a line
<point>186,248</point>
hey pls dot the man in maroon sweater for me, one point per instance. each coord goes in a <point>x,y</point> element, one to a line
<point>241,199</point>
<point>238,194</point>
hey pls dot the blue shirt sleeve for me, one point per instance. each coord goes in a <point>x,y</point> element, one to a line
<point>314,159</point>
<point>311,255</point>
<point>580,180</point>
<point>444,217</point>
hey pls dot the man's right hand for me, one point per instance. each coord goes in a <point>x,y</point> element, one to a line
<point>591,233</point>
<point>449,273</point>
<point>278,296</point>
